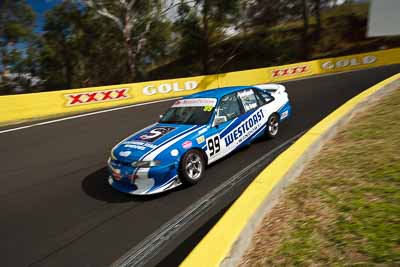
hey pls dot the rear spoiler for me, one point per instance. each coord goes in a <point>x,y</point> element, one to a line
<point>273,88</point>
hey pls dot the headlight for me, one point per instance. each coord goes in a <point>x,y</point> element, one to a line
<point>145,164</point>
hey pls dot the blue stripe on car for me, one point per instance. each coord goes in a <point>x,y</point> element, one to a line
<point>236,123</point>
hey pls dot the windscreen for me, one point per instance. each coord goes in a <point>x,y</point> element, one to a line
<point>190,111</point>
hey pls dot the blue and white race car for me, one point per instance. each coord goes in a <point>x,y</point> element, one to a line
<point>196,131</point>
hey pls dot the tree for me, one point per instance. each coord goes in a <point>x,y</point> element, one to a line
<point>60,45</point>
<point>304,15</point>
<point>317,9</point>
<point>265,12</point>
<point>16,24</point>
<point>134,19</point>
<point>79,48</point>
<point>203,23</point>
<point>297,10</point>
<point>317,6</point>
<point>189,29</point>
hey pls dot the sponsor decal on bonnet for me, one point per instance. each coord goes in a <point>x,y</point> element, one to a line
<point>135,147</point>
<point>125,153</point>
<point>155,133</point>
<point>139,143</point>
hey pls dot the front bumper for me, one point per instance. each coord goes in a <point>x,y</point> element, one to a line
<point>143,181</point>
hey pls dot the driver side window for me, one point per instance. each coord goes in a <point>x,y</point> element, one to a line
<point>228,109</point>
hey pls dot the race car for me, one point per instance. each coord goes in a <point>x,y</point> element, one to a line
<point>196,131</point>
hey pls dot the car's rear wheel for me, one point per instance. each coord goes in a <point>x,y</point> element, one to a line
<point>192,167</point>
<point>272,126</point>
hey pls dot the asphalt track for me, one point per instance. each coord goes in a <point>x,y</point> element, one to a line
<point>56,208</point>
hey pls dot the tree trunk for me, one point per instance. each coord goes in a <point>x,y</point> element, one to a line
<point>318,18</point>
<point>206,44</point>
<point>67,65</point>
<point>131,54</point>
<point>69,74</point>
<point>305,29</point>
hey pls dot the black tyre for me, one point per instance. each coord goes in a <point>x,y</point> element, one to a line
<point>272,126</point>
<point>192,167</point>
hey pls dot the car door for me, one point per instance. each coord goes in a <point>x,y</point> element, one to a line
<point>227,115</point>
<point>255,115</point>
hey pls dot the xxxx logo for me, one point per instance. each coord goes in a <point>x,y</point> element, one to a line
<point>97,96</point>
<point>290,71</point>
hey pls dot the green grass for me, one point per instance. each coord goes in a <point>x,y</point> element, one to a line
<point>344,210</point>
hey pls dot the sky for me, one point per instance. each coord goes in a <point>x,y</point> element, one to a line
<point>40,7</point>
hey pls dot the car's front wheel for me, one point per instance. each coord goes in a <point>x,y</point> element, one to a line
<point>272,126</point>
<point>192,167</point>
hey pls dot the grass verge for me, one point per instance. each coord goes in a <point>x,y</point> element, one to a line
<point>344,209</point>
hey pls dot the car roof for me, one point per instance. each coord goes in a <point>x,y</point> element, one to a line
<point>218,92</point>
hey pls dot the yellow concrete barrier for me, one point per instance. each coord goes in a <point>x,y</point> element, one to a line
<point>17,108</point>
<point>359,61</point>
<point>39,105</point>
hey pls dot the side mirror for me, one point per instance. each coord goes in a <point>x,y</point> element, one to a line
<point>219,120</point>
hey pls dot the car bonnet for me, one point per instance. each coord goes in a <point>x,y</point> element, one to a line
<point>149,139</point>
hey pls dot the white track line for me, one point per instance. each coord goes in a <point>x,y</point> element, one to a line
<point>84,115</point>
